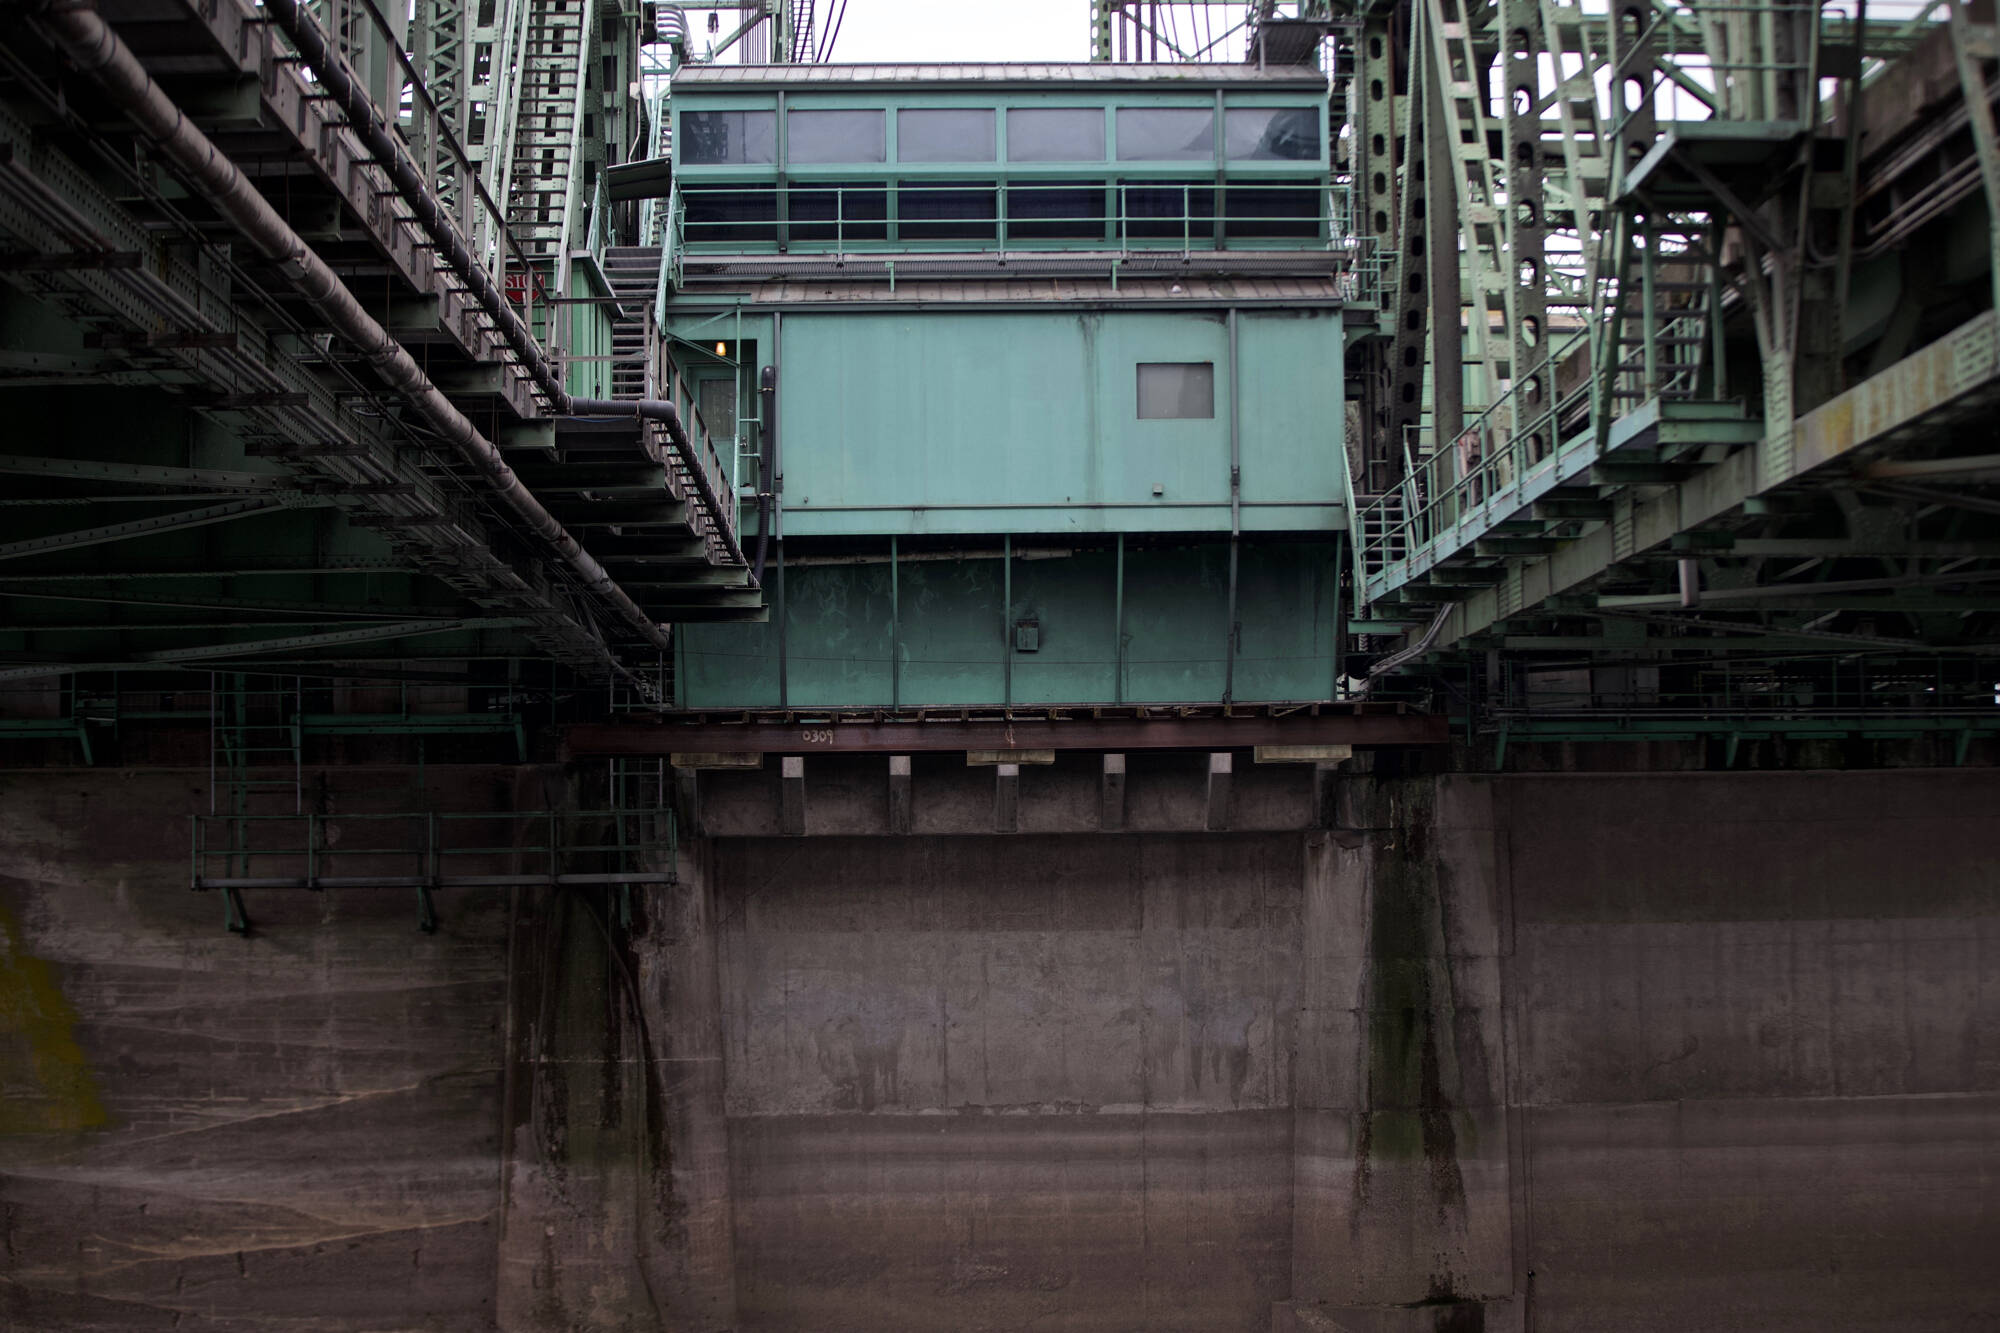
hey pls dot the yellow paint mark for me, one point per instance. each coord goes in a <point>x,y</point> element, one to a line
<point>46,1084</point>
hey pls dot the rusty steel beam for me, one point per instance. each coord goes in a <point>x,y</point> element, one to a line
<point>612,739</point>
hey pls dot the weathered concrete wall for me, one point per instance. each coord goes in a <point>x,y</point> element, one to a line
<point>1566,1052</point>
<point>617,1202</point>
<point>1757,1046</point>
<point>1551,1052</point>
<point>197,1130</point>
<point>986,1083</point>
<point>1402,1185</point>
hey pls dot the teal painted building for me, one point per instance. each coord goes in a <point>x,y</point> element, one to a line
<point>1034,377</point>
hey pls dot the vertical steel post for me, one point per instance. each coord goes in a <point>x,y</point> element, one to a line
<point>1649,309</point>
<point>1339,621</point>
<point>780,615</point>
<point>213,740</point>
<point>1007,618</point>
<point>1985,140</point>
<point>895,627</point>
<point>1229,628</point>
<point>1118,632</point>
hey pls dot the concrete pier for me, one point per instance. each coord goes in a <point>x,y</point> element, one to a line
<point>1563,1051</point>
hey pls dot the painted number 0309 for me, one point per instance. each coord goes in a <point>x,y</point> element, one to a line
<point>818,735</point>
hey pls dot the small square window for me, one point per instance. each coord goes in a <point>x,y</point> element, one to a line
<point>1176,389</point>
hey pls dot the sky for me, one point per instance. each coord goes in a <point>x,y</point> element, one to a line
<point>923,31</point>
<point>940,30</point>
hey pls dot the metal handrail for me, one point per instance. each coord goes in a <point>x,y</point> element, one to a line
<point>494,239</point>
<point>303,842</point>
<point>1513,446</point>
<point>597,221</point>
<point>1684,67</point>
<point>668,382</point>
<point>673,246</point>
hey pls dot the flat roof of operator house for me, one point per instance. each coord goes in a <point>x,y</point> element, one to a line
<point>1093,74</point>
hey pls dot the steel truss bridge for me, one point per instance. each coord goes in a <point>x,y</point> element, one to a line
<point>1678,419</point>
<point>332,339</point>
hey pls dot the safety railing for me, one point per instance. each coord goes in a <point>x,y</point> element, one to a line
<point>725,217</point>
<point>597,221</point>
<point>717,464</point>
<point>1369,262</point>
<point>428,851</point>
<point>656,138</point>
<point>673,248</point>
<point>1482,471</point>
<point>1787,688</point>
<point>1716,59</point>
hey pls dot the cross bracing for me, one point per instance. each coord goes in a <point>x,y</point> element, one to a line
<point>1637,299</point>
<point>1634,240</point>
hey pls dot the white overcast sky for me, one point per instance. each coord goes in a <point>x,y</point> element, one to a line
<point>925,30</point>
<point>905,31</point>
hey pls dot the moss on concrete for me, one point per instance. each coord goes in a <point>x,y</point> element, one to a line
<point>46,1082</point>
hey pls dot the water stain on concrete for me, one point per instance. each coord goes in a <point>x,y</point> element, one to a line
<point>1409,1115</point>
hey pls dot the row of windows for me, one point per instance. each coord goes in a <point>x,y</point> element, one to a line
<point>843,212</point>
<point>969,134</point>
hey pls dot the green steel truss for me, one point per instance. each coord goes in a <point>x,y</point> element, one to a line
<point>1659,344</point>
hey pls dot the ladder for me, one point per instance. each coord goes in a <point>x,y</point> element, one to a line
<point>634,272</point>
<point>256,769</point>
<point>1664,312</point>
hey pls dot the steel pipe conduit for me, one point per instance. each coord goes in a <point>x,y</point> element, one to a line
<point>365,119</point>
<point>338,81</point>
<point>82,34</point>
<point>657,409</point>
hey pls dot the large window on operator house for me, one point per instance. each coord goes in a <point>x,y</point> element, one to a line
<point>1055,134</point>
<point>944,134</point>
<point>1172,210</point>
<point>727,138</point>
<point>1176,389</point>
<point>1166,134</point>
<point>719,215</point>
<point>835,136</point>
<point>1271,134</point>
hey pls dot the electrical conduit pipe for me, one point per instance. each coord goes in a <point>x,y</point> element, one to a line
<point>366,121</point>
<point>84,36</point>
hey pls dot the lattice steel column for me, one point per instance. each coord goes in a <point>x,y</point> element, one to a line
<point>1523,224</point>
<point>438,41</point>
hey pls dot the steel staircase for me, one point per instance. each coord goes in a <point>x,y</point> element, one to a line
<point>1383,538</point>
<point>634,271</point>
<point>544,176</point>
<point>1663,315</point>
